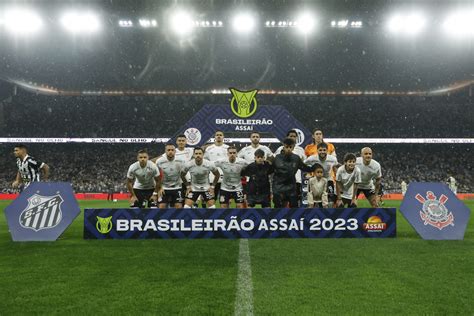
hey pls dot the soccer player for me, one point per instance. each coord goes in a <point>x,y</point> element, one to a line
<point>371,175</point>
<point>285,166</point>
<point>403,186</point>
<point>231,186</point>
<point>146,188</point>
<point>312,149</point>
<point>172,194</point>
<point>328,163</point>
<point>183,153</point>
<point>215,152</point>
<point>258,187</point>
<point>248,152</point>
<point>298,150</point>
<point>317,189</point>
<point>347,179</point>
<point>29,168</point>
<point>452,184</point>
<point>199,186</point>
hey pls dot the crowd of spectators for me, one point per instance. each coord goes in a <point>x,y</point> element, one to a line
<point>102,167</point>
<point>29,115</point>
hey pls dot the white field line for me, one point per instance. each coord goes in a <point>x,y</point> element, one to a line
<point>244,295</point>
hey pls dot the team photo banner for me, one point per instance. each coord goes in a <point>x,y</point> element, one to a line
<point>239,223</point>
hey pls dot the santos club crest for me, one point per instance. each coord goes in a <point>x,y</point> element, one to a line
<point>42,212</point>
<point>434,211</point>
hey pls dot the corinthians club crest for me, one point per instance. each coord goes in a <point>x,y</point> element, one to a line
<point>434,212</point>
<point>42,212</point>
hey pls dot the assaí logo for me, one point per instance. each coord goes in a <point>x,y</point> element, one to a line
<point>243,103</point>
<point>374,225</point>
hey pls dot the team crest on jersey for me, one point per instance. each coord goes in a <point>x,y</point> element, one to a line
<point>434,211</point>
<point>193,136</point>
<point>243,103</point>
<point>42,212</point>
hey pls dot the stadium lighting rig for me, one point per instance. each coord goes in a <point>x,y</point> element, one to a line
<point>147,23</point>
<point>125,23</point>
<point>305,23</point>
<point>459,24</point>
<point>19,21</point>
<point>244,23</point>
<point>208,23</point>
<point>344,24</point>
<point>80,22</point>
<point>182,23</point>
<point>409,24</point>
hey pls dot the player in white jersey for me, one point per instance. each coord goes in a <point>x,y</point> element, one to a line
<point>143,181</point>
<point>248,153</point>
<point>371,175</point>
<point>328,162</point>
<point>199,168</point>
<point>298,150</point>
<point>231,185</point>
<point>452,184</point>
<point>170,167</point>
<point>347,179</point>
<point>403,186</point>
<point>183,153</point>
<point>215,152</point>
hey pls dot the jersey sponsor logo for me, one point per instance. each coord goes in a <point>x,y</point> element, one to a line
<point>374,225</point>
<point>243,103</point>
<point>193,136</point>
<point>42,212</point>
<point>104,224</point>
<point>434,211</point>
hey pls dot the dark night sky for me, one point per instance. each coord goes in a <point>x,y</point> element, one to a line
<point>367,58</point>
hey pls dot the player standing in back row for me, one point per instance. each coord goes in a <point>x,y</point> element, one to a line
<point>215,152</point>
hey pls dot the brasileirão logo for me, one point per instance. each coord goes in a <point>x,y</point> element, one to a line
<point>243,103</point>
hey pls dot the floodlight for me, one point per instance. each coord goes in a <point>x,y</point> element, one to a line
<point>305,23</point>
<point>147,23</point>
<point>181,23</point>
<point>407,24</point>
<point>460,24</point>
<point>22,21</point>
<point>125,23</point>
<point>77,23</point>
<point>243,23</point>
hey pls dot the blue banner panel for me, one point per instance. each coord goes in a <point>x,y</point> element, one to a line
<point>434,211</point>
<point>239,223</point>
<point>42,212</point>
<point>274,119</point>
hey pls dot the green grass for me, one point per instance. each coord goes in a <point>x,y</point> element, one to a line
<point>405,275</point>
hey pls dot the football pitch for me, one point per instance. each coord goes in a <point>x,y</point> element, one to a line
<point>404,275</point>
